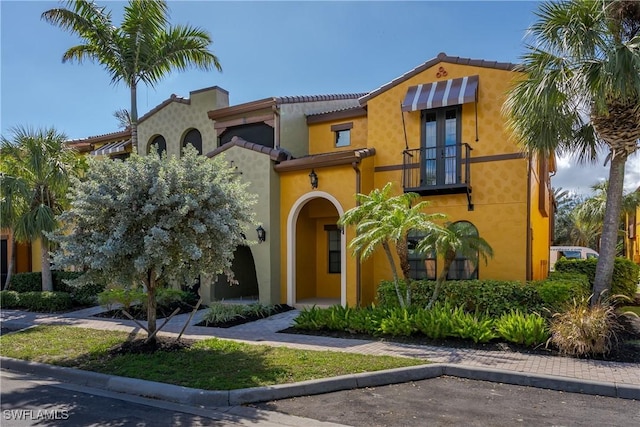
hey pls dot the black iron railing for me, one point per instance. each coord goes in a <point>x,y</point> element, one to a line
<point>437,170</point>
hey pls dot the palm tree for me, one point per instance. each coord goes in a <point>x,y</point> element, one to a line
<point>590,213</point>
<point>145,48</point>
<point>459,239</point>
<point>37,167</point>
<point>385,220</point>
<point>123,117</point>
<point>11,208</point>
<point>581,92</point>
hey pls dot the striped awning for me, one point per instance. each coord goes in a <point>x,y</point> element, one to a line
<point>112,148</point>
<point>441,94</point>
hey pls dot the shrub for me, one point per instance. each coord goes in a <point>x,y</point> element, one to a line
<point>625,273</point>
<point>492,297</point>
<point>524,329</point>
<point>26,282</point>
<point>221,313</point>
<point>397,322</point>
<point>436,323</point>
<point>476,327</point>
<point>45,301</point>
<point>311,319</point>
<point>9,299</point>
<point>557,293</point>
<point>584,330</point>
<point>118,295</point>
<point>366,320</point>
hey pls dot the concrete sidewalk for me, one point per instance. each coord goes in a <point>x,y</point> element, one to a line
<point>558,373</point>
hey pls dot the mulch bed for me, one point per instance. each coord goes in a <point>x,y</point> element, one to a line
<point>139,346</point>
<point>277,309</point>
<point>140,313</point>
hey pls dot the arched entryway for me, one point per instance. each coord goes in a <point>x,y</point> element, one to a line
<point>316,251</point>
<point>244,271</point>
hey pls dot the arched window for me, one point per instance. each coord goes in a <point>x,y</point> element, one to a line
<point>423,266</point>
<point>159,143</point>
<point>464,267</point>
<point>194,138</point>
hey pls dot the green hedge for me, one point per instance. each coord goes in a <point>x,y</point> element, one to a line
<point>36,301</point>
<point>492,297</point>
<point>561,289</point>
<point>625,273</point>
<point>85,294</point>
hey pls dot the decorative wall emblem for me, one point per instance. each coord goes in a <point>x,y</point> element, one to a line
<point>441,72</point>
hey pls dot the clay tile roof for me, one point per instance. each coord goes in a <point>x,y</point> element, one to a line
<point>442,57</point>
<point>337,114</point>
<point>113,136</point>
<point>335,158</point>
<point>276,154</point>
<point>172,98</point>
<point>314,98</point>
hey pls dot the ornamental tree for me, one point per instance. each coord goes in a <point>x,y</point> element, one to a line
<point>154,221</point>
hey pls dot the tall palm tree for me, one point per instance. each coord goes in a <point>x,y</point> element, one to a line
<point>458,239</point>
<point>11,208</point>
<point>581,92</point>
<point>37,167</point>
<point>385,220</point>
<point>144,48</point>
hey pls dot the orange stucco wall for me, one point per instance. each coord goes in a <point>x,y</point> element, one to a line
<point>505,195</point>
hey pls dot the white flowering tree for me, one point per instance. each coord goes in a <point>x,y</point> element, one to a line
<point>151,220</point>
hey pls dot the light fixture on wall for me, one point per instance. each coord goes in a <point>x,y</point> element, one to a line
<point>262,234</point>
<point>313,178</point>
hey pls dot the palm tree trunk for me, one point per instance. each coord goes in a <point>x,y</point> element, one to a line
<point>47,279</point>
<point>609,237</point>
<point>442,277</point>
<point>134,116</point>
<point>12,262</point>
<point>394,272</point>
<point>151,304</point>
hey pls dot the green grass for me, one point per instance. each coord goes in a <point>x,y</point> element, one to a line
<point>211,364</point>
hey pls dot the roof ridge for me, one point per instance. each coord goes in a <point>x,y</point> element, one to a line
<point>314,98</point>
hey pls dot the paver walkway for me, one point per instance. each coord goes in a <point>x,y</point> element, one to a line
<point>265,331</point>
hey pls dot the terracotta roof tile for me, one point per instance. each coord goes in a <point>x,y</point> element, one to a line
<point>314,98</point>
<point>335,158</point>
<point>276,154</point>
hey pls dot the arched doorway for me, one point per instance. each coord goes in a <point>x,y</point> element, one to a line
<point>316,251</point>
<point>244,271</point>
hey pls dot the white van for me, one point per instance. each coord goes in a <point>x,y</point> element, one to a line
<point>569,252</point>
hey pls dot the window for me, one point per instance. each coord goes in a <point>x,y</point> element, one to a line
<point>422,266</point>
<point>194,138</point>
<point>441,143</point>
<point>342,134</point>
<point>160,145</point>
<point>333,245</point>
<point>464,267</point>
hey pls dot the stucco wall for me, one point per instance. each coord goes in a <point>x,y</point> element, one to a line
<point>255,168</point>
<point>175,119</point>
<point>322,138</point>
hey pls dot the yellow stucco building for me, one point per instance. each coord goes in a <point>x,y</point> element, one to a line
<point>436,130</point>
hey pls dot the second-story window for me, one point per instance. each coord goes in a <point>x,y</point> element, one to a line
<point>342,134</point>
<point>441,142</point>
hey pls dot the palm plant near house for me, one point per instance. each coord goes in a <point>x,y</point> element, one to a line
<point>37,167</point>
<point>385,220</point>
<point>581,92</point>
<point>457,239</point>
<point>144,48</point>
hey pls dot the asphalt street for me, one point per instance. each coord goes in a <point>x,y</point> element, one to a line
<point>31,401</point>
<point>449,401</point>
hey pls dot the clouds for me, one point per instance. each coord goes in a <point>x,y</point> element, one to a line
<point>579,178</point>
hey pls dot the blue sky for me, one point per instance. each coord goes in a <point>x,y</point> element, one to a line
<point>266,49</point>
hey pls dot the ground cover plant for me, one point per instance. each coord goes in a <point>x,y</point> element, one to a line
<point>222,315</point>
<point>451,326</point>
<point>118,299</point>
<point>211,364</point>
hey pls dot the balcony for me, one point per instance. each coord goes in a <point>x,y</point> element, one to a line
<point>438,170</point>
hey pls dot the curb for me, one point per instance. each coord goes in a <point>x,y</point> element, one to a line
<point>222,398</point>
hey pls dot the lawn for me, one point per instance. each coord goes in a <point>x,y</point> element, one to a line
<point>632,308</point>
<point>211,364</point>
